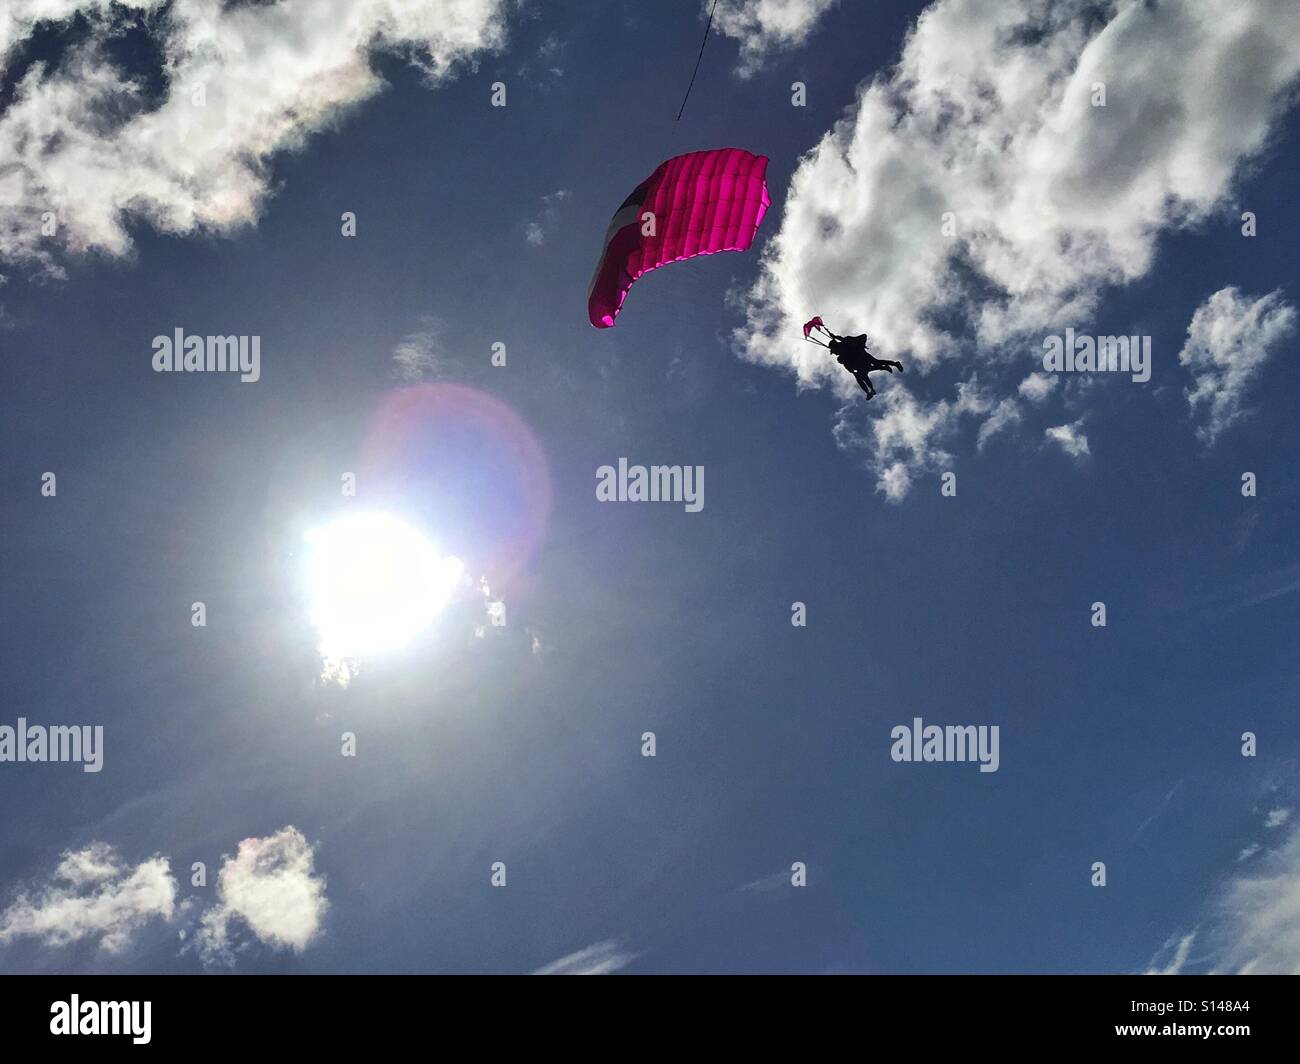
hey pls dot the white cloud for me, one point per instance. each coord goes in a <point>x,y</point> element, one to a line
<point>1181,947</point>
<point>1071,438</point>
<point>763,27</point>
<point>766,884</point>
<point>1276,818</point>
<point>543,69</point>
<point>1259,918</point>
<point>1229,340</point>
<point>81,139</point>
<point>93,895</point>
<point>1004,416</point>
<point>989,116</point>
<point>604,958</point>
<point>535,231</point>
<point>550,54</point>
<point>895,481</point>
<point>1254,925</point>
<point>908,436</point>
<point>1037,387</point>
<point>1248,852</point>
<point>1265,587</point>
<point>422,354</point>
<point>269,887</point>
<point>550,50</point>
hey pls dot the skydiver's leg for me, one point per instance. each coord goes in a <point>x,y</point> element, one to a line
<point>886,364</point>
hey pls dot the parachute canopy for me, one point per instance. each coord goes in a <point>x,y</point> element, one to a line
<point>702,203</point>
<point>814,323</point>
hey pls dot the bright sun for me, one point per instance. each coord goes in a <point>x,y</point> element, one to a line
<point>373,584</point>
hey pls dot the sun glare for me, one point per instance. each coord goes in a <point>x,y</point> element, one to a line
<point>374,583</point>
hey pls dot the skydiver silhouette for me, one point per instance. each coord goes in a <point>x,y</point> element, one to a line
<point>851,353</point>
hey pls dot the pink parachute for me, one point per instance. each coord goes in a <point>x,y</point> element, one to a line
<point>702,203</point>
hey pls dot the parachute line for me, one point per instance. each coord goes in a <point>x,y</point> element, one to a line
<point>697,62</point>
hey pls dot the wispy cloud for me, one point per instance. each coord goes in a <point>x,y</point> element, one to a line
<point>1159,810</point>
<point>546,67</point>
<point>536,231</point>
<point>423,354</point>
<point>1265,587</point>
<point>907,435</point>
<point>93,895</point>
<point>764,27</point>
<point>1228,341</point>
<point>1070,438</point>
<point>1259,918</point>
<point>1177,950</point>
<point>1037,387</point>
<point>1254,925</point>
<point>765,884</point>
<point>604,958</point>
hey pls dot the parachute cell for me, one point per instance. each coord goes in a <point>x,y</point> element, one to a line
<point>701,203</point>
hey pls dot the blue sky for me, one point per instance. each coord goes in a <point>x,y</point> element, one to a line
<point>522,743</point>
